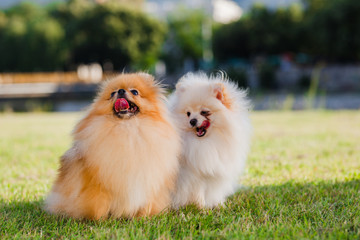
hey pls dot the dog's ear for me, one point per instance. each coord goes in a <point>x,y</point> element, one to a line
<point>220,93</point>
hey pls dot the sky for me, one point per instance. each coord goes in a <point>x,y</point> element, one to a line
<point>9,3</point>
<point>245,4</point>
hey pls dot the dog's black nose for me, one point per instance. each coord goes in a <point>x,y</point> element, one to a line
<point>193,122</point>
<point>121,92</point>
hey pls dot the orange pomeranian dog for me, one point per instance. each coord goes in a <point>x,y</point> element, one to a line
<point>123,161</point>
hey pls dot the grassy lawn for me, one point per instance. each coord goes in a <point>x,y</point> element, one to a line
<point>302,182</point>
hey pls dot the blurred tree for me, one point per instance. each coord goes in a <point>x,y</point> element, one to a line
<point>238,75</point>
<point>132,4</point>
<point>314,5</point>
<point>78,31</point>
<point>267,76</point>
<point>332,30</point>
<point>109,32</point>
<point>30,40</point>
<point>261,32</point>
<point>184,40</point>
<point>328,30</point>
<point>81,31</point>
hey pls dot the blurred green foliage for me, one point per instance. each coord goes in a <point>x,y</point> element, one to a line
<point>238,75</point>
<point>79,31</point>
<point>30,39</point>
<point>335,32</point>
<point>110,33</point>
<point>61,36</point>
<point>267,77</point>
<point>262,31</point>
<point>327,30</point>
<point>184,39</point>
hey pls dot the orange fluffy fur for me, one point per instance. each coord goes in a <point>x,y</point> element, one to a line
<point>123,167</point>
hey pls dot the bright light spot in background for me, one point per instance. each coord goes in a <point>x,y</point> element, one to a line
<point>92,72</point>
<point>223,11</point>
<point>226,11</point>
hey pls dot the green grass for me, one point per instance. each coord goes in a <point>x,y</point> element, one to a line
<point>302,182</point>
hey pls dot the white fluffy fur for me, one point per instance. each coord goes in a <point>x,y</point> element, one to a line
<point>210,165</point>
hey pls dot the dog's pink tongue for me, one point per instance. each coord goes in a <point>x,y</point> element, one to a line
<point>205,124</point>
<point>121,104</point>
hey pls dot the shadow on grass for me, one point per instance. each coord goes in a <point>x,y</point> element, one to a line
<point>312,208</point>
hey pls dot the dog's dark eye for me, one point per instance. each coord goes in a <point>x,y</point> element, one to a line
<point>112,94</point>
<point>134,92</point>
<point>188,114</point>
<point>205,113</point>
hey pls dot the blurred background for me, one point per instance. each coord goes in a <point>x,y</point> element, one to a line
<point>290,54</point>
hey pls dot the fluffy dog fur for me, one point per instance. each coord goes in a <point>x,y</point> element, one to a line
<point>215,144</point>
<point>122,163</point>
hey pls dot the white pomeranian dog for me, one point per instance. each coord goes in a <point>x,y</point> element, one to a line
<point>214,122</point>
